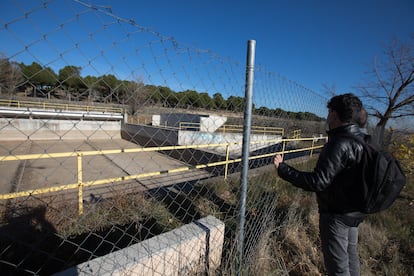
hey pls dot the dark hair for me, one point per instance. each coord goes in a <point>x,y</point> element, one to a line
<point>348,106</point>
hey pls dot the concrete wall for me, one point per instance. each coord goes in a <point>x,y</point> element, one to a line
<point>45,124</point>
<point>149,135</point>
<point>52,129</point>
<point>208,123</point>
<point>211,123</point>
<point>154,136</point>
<point>200,138</point>
<point>174,119</point>
<point>193,249</point>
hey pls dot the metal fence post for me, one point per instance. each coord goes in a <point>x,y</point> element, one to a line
<point>283,147</point>
<point>313,145</point>
<point>226,169</point>
<point>251,46</point>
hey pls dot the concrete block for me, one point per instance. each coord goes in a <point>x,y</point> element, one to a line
<point>191,249</point>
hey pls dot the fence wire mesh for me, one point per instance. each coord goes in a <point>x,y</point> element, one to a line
<point>113,135</point>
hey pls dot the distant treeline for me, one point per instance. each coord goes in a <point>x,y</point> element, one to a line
<point>36,80</point>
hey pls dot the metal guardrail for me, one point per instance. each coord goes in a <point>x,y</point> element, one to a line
<point>59,106</point>
<point>189,126</point>
<point>80,184</point>
<point>235,128</point>
<point>254,129</point>
<point>296,134</point>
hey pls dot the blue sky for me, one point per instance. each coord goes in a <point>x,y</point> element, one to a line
<point>311,42</point>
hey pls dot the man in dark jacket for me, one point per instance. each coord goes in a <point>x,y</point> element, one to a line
<point>334,180</point>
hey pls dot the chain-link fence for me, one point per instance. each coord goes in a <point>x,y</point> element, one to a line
<point>113,135</point>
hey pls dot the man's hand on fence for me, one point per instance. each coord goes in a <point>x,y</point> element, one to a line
<point>277,160</point>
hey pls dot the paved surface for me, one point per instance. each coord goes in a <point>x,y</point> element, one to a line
<point>34,174</point>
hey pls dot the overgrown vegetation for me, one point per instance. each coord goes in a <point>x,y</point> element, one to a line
<point>386,244</point>
<point>290,245</point>
<point>403,150</point>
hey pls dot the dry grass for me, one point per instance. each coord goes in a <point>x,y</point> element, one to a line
<point>292,246</point>
<point>295,239</point>
<point>117,210</point>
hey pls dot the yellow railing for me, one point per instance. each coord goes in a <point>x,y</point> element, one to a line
<point>296,134</point>
<point>236,128</point>
<point>254,129</point>
<point>59,106</point>
<point>80,184</point>
<point>189,126</point>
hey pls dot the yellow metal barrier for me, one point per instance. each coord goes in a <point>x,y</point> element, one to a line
<point>80,154</point>
<point>236,128</point>
<point>296,134</point>
<point>189,126</point>
<point>254,129</point>
<point>59,106</point>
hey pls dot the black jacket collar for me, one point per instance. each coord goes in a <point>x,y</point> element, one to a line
<point>348,129</point>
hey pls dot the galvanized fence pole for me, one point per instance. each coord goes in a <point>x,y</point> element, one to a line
<point>251,46</point>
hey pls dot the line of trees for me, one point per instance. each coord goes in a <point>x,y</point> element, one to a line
<point>35,80</point>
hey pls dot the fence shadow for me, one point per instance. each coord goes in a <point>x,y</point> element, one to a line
<point>30,244</point>
<point>27,238</point>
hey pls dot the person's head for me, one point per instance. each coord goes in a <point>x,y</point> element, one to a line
<point>344,109</point>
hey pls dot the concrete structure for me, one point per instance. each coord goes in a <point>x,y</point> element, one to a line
<point>203,123</point>
<point>234,139</point>
<point>192,249</point>
<point>58,114</point>
<point>159,136</point>
<point>212,123</point>
<point>27,131</point>
<point>19,124</point>
<point>150,135</point>
<point>31,124</point>
<point>32,129</point>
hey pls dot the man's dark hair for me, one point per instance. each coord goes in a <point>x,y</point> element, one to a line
<point>348,106</point>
